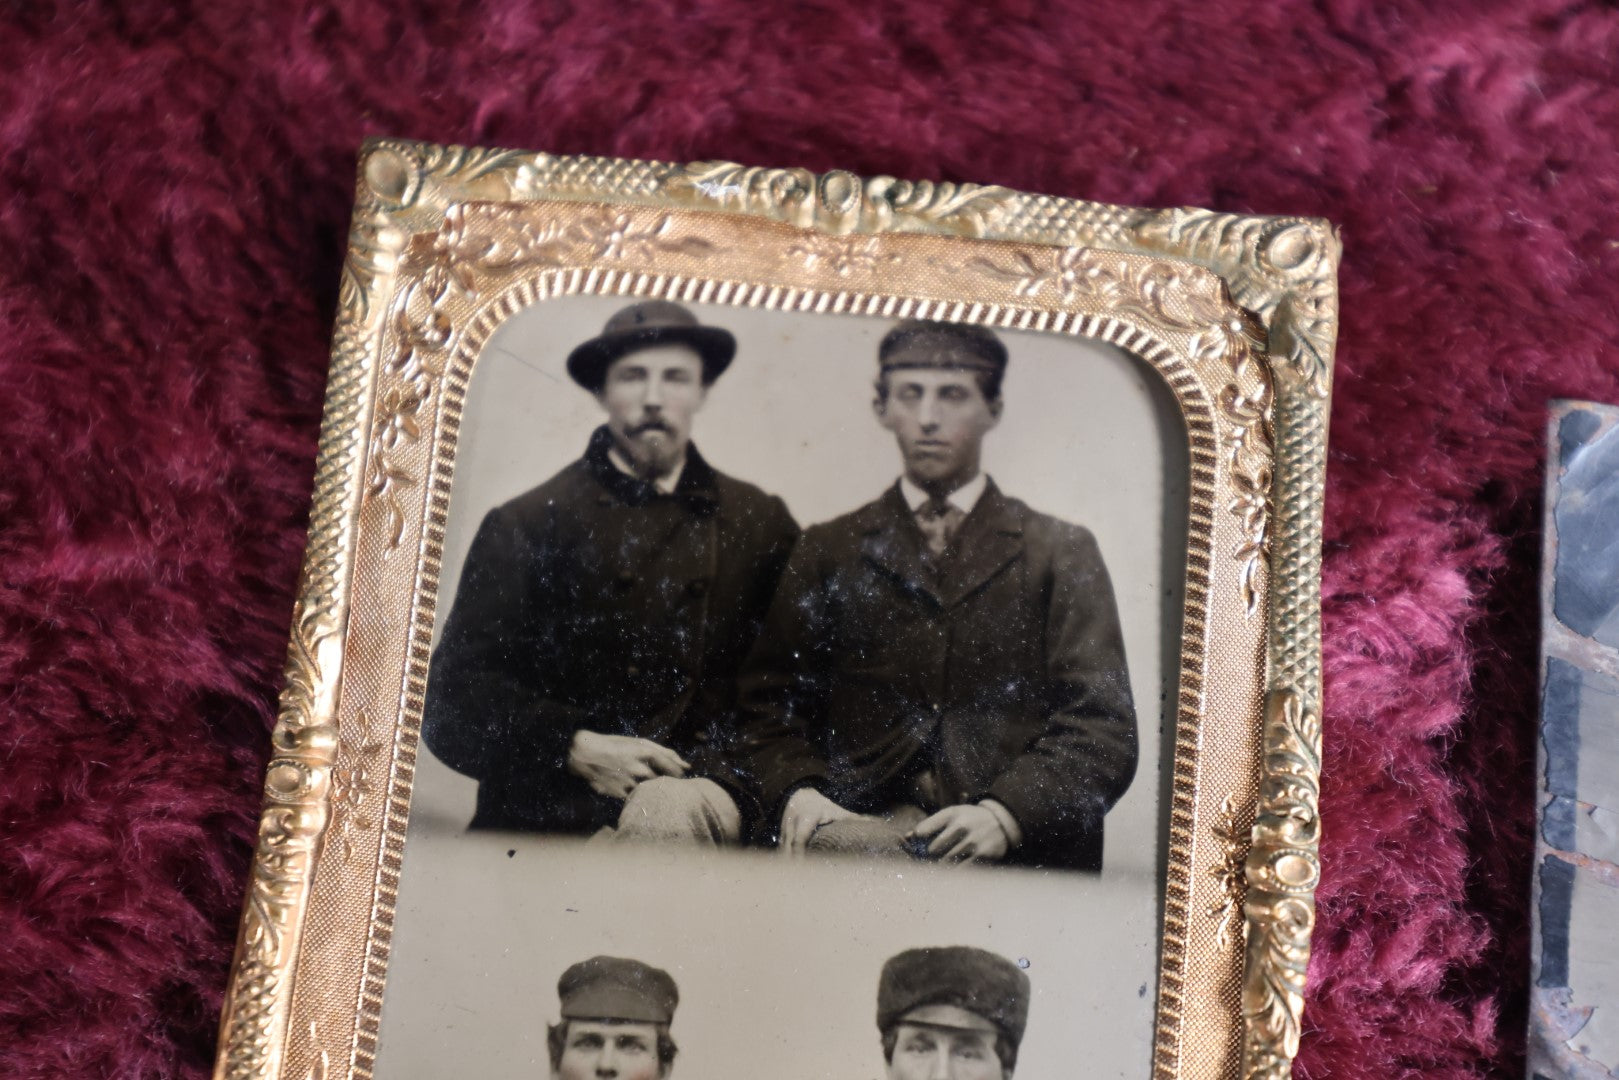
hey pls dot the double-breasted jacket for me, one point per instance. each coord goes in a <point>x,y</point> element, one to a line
<point>995,671</point>
<point>596,602</point>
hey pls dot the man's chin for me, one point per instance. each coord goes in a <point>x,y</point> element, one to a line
<point>928,469</point>
<point>652,453</point>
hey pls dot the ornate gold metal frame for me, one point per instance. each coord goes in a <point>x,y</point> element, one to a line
<point>1238,314</point>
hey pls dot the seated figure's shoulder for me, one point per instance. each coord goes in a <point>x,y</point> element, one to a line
<point>571,483</point>
<point>1053,532</point>
<point>556,499</point>
<point>846,530</point>
<point>745,499</point>
<point>754,516</point>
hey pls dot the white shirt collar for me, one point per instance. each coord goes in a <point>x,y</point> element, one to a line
<point>665,484</point>
<point>964,498</point>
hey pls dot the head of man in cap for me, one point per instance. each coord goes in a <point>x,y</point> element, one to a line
<point>951,1013</point>
<point>615,1022</point>
<point>939,392</point>
<point>650,368</point>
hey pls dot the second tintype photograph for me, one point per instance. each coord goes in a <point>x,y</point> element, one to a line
<point>800,703</point>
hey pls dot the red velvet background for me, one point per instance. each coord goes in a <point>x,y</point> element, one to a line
<point>175,181</point>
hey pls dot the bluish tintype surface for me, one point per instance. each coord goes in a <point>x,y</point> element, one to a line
<point>1574,1023</point>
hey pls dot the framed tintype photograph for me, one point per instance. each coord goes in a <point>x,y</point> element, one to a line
<point>759,623</point>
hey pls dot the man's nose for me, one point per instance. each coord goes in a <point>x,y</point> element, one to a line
<point>940,1066</point>
<point>927,412</point>
<point>606,1064</point>
<point>653,398</point>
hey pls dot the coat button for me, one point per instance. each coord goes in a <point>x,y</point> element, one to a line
<point>625,581</point>
<point>937,708</point>
<point>632,671</point>
<point>702,737</point>
<point>697,586</point>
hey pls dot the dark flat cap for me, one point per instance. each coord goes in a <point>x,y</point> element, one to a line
<point>918,343</point>
<point>611,988</point>
<point>643,325</point>
<point>916,982</point>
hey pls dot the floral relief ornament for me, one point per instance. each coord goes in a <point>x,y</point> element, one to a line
<point>352,783</point>
<point>842,255</point>
<point>1122,286</point>
<point>1229,872</point>
<point>1220,332</point>
<point>293,819</point>
<point>1283,269</point>
<point>1283,869</point>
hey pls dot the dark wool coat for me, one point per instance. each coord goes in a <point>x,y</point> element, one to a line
<point>997,670</point>
<point>596,602</point>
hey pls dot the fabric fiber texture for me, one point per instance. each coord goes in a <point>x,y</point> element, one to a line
<point>175,185</point>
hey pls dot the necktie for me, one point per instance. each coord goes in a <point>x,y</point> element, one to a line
<point>938,520</point>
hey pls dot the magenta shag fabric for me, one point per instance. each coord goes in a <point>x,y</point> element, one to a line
<point>175,181</point>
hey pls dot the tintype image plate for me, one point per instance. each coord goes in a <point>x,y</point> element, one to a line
<point>760,624</point>
<point>1574,1024</point>
<point>739,660</point>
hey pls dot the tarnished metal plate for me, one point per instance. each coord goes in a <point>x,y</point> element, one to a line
<point>1574,1021</point>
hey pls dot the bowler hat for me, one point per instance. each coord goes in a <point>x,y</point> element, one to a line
<point>916,981</point>
<point>640,326</point>
<point>612,988</point>
<point>922,343</point>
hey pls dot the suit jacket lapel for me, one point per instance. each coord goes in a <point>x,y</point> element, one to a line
<point>989,540</point>
<point>893,543</point>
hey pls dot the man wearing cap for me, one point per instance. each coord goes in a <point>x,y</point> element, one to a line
<point>941,671</point>
<point>951,1013</point>
<point>585,676</point>
<point>615,1019</point>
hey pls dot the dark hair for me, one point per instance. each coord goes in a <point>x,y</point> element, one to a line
<point>556,1041</point>
<point>989,382</point>
<point>1005,1049</point>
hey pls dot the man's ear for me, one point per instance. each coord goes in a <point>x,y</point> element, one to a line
<point>879,409</point>
<point>994,415</point>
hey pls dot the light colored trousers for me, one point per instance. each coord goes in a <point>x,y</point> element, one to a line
<point>672,810</point>
<point>668,809</point>
<point>869,834</point>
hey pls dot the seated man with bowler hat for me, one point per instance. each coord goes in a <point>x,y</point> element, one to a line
<point>941,672</point>
<point>951,1013</point>
<point>586,673</point>
<point>615,1019</point>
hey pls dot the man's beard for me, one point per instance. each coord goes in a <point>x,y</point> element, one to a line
<point>652,458</point>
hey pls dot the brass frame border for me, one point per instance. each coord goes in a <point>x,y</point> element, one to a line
<point>413,207</point>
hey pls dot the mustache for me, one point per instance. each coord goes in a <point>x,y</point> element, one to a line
<point>649,425</point>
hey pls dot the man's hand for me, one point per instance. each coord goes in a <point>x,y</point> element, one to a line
<point>807,810</point>
<point>964,833</point>
<point>613,764</point>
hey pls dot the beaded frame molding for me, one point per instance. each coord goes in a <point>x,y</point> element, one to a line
<point>1238,314</point>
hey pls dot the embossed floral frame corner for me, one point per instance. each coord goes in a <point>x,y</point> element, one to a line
<point>1237,314</point>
